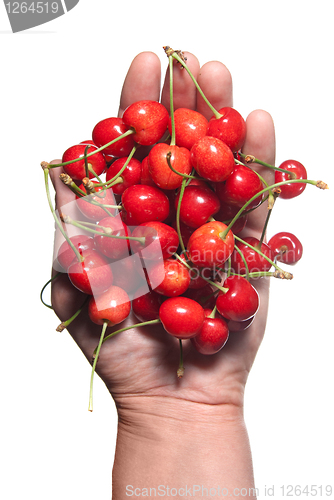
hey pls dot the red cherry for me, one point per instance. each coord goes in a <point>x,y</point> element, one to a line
<point>212,337</point>
<point>227,212</point>
<point>93,211</point>
<point>143,203</point>
<point>212,159</point>
<point>112,306</point>
<point>255,262</point>
<point>130,175</point>
<point>206,248</point>
<point>145,176</point>
<point>146,304</point>
<point>158,167</point>
<point>149,119</point>
<point>239,187</point>
<point>299,172</point>
<point>93,275</point>
<point>113,248</point>
<point>66,255</point>
<point>240,302</point>
<point>77,170</point>
<point>169,278</point>
<point>198,276</point>
<point>190,126</point>
<point>197,206</point>
<point>161,240</point>
<point>181,317</point>
<point>109,129</point>
<point>204,296</point>
<point>286,247</point>
<point>229,128</point>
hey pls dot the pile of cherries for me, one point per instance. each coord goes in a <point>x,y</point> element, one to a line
<point>163,197</point>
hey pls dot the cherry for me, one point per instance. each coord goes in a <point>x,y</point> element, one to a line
<point>212,336</point>
<point>198,275</point>
<point>102,197</point>
<point>212,159</point>
<point>230,128</point>
<point>190,126</point>
<point>77,170</point>
<point>239,187</point>
<point>131,174</point>
<point>169,278</point>
<point>93,275</point>
<point>181,317</point>
<point>204,296</point>
<point>113,248</point>
<point>66,255</point>
<point>149,119</point>
<point>298,171</point>
<point>146,304</point>
<point>161,240</point>
<point>240,302</point>
<point>144,203</point>
<point>206,248</point>
<point>227,212</point>
<point>145,176</point>
<point>109,129</point>
<point>158,167</point>
<point>113,307</point>
<point>286,247</point>
<point>198,205</point>
<point>255,261</point>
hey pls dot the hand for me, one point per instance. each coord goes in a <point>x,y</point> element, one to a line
<point>144,361</point>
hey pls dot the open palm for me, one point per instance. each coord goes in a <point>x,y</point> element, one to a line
<point>143,361</point>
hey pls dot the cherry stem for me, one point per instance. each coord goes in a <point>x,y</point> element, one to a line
<point>144,323</point>
<point>128,132</point>
<point>213,312</point>
<point>252,159</point>
<point>65,324</point>
<point>244,260</point>
<point>186,176</point>
<point>86,161</point>
<point>178,229</point>
<point>285,273</point>
<point>221,288</point>
<point>171,100</point>
<point>270,209</point>
<point>181,61</point>
<point>46,179</point>
<point>44,287</point>
<point>104,328</point>
<point>88,225</point>
<point>180,371</point>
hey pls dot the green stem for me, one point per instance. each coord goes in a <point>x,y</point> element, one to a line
<point>221,288</point>
<point>186,176</point>
<point>213,312</point>
<point>65,324</point>
<point>87,227</point>
<point>111,181</point>
<point>171,100</point>
<point>44,287</point>
<point>144,323</point>
<point>178,229</point>
<point>90,406</point>
<point>264,164</point>
<point>243,260</point>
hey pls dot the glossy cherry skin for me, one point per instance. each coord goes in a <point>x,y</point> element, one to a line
<point>239,187</point>
<point>113,248</point>
<point>286,247</point>
<point>158,167</point>
<point>92,211</point>
<point>131,174</point>
<point>109,129</point>
<point>146,304</point>
<point>227,212</point>
<point>112,306</point>
<point>240,302</point>
<point>230,128</point>
<point>77,170</point>
<point>93,275</point>
<point>299,171</point>
<point>212,337</point>
<point>255,262</point>
<point>198,204</point>
<point>145,176</point>
<point>206,248</point>
<point>149,119</point>
<point>190,126</point>
<point>161,240</point>
<point>169,278</point>
<point>144,203</point>
<point>212,159</point>
<point>181,317</point>
<point>66,255</point>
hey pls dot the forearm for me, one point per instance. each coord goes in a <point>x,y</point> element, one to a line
<point>177,448</point>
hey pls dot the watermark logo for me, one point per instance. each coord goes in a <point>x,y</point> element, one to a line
<point>25,15</point>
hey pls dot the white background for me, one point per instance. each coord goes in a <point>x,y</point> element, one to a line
<point>57,81</point>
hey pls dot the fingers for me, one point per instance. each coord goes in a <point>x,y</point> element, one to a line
<point>142,80</point>
<point>260,142</point>
<point>184,90</point>
<point>216,82</point>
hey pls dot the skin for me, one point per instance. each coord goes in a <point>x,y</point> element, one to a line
<point>189,431</point>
